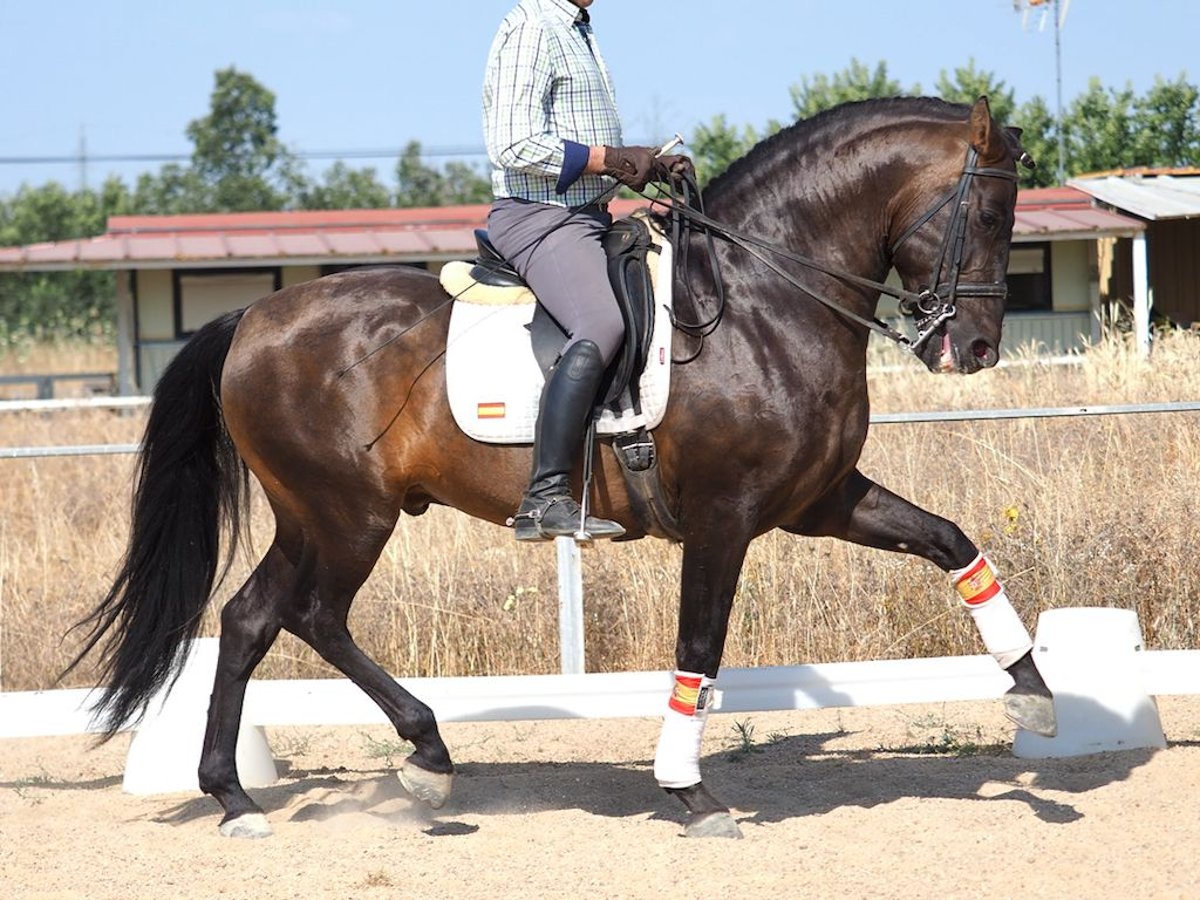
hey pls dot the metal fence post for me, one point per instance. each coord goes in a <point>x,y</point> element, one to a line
<point>570,605</point>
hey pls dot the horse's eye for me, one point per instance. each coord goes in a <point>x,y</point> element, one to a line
<point>988,219</point>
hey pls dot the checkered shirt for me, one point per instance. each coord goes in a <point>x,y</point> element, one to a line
<point>546,83</point>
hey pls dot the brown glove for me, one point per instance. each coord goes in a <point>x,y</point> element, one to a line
<point>632,166</point>
<point>672,168</point>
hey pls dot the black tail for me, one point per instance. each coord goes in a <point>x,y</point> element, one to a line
<point>190,481</point>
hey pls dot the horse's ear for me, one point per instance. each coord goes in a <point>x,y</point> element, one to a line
<point>986,137</point>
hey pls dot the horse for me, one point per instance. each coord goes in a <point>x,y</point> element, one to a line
<point>765,423</point>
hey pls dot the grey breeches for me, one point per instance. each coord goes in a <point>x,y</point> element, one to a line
<point>565,265</point>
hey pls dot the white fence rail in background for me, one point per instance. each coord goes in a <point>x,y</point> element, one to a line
<point>903,418</point>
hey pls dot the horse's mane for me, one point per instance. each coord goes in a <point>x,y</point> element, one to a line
<point>828,126</point>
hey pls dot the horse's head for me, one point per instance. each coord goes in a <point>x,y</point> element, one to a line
<point>952,230</point>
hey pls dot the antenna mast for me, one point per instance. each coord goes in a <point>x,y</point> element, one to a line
<point>1058,8</point>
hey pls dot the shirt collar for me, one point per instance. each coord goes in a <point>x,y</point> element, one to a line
<point>565,8</point>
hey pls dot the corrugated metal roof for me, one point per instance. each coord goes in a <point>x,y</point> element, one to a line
<point>1150,193</point>
<point>1065,213</point>
<point>404,235</point>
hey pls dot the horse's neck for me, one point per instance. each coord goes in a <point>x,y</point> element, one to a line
<point>827,199</point>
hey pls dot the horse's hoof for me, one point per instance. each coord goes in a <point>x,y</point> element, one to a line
<point>250,825</point>
<point>1033,712</point>
<point>428,787</point>
<point>713,825</point>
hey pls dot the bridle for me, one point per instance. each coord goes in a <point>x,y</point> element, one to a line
<point>929,307</point>
<point>933,306</point>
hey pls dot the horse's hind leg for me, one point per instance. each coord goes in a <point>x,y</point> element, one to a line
<point>249,625</point>
<point>865,513</point>
<point>320,620</point>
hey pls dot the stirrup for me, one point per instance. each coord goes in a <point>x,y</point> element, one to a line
<point>528,524</point>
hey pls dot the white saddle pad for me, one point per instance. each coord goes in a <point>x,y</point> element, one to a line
<point>493,381</point>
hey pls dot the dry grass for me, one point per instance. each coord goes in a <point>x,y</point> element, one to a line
<point>1096,511</point>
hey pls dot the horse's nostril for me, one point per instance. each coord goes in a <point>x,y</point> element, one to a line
<point>984,352</point>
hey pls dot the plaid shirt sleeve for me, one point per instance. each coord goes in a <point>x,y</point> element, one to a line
<point>546,97</point>
<point>518,125</point>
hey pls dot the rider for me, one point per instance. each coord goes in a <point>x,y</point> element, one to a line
<point>554,140</point>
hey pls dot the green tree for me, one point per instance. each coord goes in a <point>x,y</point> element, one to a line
<point>57,304</point>
<point>347,188</point>
<point>175,189</point>
<point>419,184</point>
<point>855,82</point>
<point>237,154</point>
<point>1099,129</point>
<point>967,85</point>
<point>715,145</point>
<point>1039,137</point>
<point>1167,124</point>
<point>464,184</point>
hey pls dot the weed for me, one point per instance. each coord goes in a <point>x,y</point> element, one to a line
<point>376,878</point>
<point>937,737</point>
<point>387,750</point>
<point>22,787</point>
<point>744,742</point>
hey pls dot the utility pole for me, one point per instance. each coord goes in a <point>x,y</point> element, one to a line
<point>1058,9</point>
<point>83,160</point>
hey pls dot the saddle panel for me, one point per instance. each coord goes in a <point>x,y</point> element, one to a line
<point>494,381</point>
<point>627,245</point>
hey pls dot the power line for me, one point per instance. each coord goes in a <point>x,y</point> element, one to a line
<point>77,159</point>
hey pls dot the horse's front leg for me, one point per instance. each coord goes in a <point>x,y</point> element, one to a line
<point>865,513</point>
<point>712,561</point>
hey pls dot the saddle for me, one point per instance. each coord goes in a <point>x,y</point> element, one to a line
<point>626,245</point>
<point>633,395</point>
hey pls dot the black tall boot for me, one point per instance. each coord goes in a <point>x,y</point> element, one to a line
<point>548,510</point>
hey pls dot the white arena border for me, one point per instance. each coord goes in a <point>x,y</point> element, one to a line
<point>604,695</point>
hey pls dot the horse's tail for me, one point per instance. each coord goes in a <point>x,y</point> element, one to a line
<point>190,481</point>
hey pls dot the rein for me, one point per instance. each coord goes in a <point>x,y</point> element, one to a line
<point>928,307</point>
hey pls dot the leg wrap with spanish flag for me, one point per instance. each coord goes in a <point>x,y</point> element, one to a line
<point>1003,633</point>
<point>677,760</point>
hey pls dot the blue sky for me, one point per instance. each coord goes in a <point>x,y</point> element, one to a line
<point>366,74</point>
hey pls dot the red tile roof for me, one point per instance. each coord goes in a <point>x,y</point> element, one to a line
<point>402,235</point>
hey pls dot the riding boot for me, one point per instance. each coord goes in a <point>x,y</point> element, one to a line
<point>548,510</point>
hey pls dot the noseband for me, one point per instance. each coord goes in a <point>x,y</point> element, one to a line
<point>929,308</point>
<point>938,302</point>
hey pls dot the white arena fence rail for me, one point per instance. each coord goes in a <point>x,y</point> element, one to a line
<point>603,695</point>
<point>613,695</point>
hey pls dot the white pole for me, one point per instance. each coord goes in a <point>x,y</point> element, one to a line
<point>1141,294</point>
<point>570,605</point>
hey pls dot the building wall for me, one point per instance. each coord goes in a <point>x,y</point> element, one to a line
<point>155,305</point>
<point>1174,251</point>
<point>1071,275</point>
<point>299,274</point>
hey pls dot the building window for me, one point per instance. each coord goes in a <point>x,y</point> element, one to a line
<point>1029,278</point>
<point>203,294</point>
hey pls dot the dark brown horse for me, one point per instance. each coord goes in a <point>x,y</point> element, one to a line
<point>763,430</point>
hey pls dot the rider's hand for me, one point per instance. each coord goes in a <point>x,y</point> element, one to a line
<point>632,166</point>
<point>672,168</point>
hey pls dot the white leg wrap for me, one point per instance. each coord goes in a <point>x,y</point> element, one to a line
<point>677,760</point>
<point>1003,633</point>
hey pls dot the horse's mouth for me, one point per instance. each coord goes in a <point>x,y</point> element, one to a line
<point>982,356</point>
<point>947,360</point>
